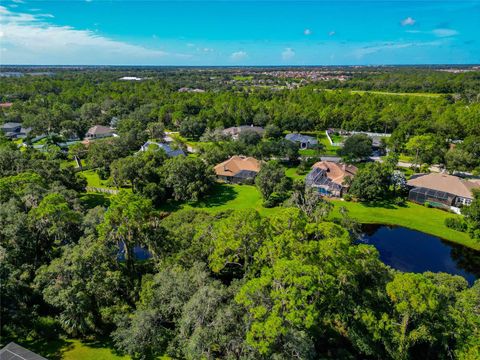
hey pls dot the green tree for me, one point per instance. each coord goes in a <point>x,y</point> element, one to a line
<point>371,183</point>
<point>356,147</point>
<point>273,183</point>
<point>187,178</point>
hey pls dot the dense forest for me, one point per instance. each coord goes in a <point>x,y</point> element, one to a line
<point>232,284</point>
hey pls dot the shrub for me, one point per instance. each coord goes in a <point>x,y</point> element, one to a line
<point>427,204</point>
<point>456,224</point>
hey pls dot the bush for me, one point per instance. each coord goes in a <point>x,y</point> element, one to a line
<point>347,197</point>
<point>456,224</point>
<point>427,204</point>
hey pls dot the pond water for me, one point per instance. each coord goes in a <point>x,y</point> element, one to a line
<point>413,251</point>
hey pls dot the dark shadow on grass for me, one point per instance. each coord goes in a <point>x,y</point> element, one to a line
<point>386,204</point>
<point>52,349</point>
<point>219,195</point>
<point>91,200</point>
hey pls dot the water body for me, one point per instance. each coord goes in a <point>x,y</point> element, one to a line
<point>413,251</point>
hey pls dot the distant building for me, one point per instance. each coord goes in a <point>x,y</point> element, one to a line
<point>238,170</point>
<point>190,90</point>
<point>14,351</point>
<point>14,130</point>
<point>328,177</point>
<point>165,147</point>
<point>99,131</point>
<point>235,131</point>
<point>130,78</point>
<point>304,141</point>
<point>441,190</point>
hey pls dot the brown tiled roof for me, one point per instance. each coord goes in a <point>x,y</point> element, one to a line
<point>336,171</point>
<point>444,182</point>
<point>235,164</point>
<point>99,129</point>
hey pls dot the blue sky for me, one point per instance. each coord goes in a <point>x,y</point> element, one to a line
<point>134,32</point>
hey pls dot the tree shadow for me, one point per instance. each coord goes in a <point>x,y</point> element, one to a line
<point>91,200</point>
<point>384,204</point>
<point>219,195</point>
<point>52,349</point>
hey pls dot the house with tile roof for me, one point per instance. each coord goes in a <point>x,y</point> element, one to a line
<point>329,177</point>
<point>235,131</point>
<point>441,190</point>
<point>99,131</point>
<point>238,170</point>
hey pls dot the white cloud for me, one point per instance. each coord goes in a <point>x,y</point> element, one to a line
<point>409,21</point>
<point>307,32</point>
<point>18,1</point>
<point>331,33</point>
<point>359,53</point>
<point>238,55</point>
<point>288,54</point>
<point>28,39</point>
<point>445,32</point>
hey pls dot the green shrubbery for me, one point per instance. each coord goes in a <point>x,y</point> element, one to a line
<point>456,224</point>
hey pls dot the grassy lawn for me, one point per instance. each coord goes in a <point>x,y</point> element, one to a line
<point>329,149</point>
<point>93,179</point>
<point>412,216</point>
<point>72,349</point>
<point>226,197</point>
<point>291,172</point>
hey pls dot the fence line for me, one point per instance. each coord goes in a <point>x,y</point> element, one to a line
<point>101,190</point>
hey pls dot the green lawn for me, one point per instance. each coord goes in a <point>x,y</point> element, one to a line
<point>72,349</point>
<point>226,197</point>
<point>413,216</point>
<point>329,149</point>
<point>291,172</point>
<point>93,179</point>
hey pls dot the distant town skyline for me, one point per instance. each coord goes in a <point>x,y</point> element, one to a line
<point>229,33</point>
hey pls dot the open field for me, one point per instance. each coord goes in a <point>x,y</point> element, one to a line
<point>362,92</point>
<point>412,216</point>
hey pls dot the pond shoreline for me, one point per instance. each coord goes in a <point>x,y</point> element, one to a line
<point>410,250</point>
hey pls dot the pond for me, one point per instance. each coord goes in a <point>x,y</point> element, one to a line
<point>413,251</point>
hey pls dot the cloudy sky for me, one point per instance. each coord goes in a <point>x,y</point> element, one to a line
<point>149,32</point>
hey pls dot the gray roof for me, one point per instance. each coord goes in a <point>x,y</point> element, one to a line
<point>10,125</point>
<point>296,137</point>
<point>16,352</point>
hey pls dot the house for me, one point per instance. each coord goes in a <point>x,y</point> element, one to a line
<point>329,177</point>
<point>99,131</point>
<point>441,190</point>
<point>235,131</point>
<point>11,127</point>
<point>14,130</point>
<point>6,105</point>
<point>130,78</point>
<point>238,169</point>
<point>14,351</point>
<point>304,141</point>
<point>165,147</point>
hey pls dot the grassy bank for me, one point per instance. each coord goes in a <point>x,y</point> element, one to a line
<point>412,216</point>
